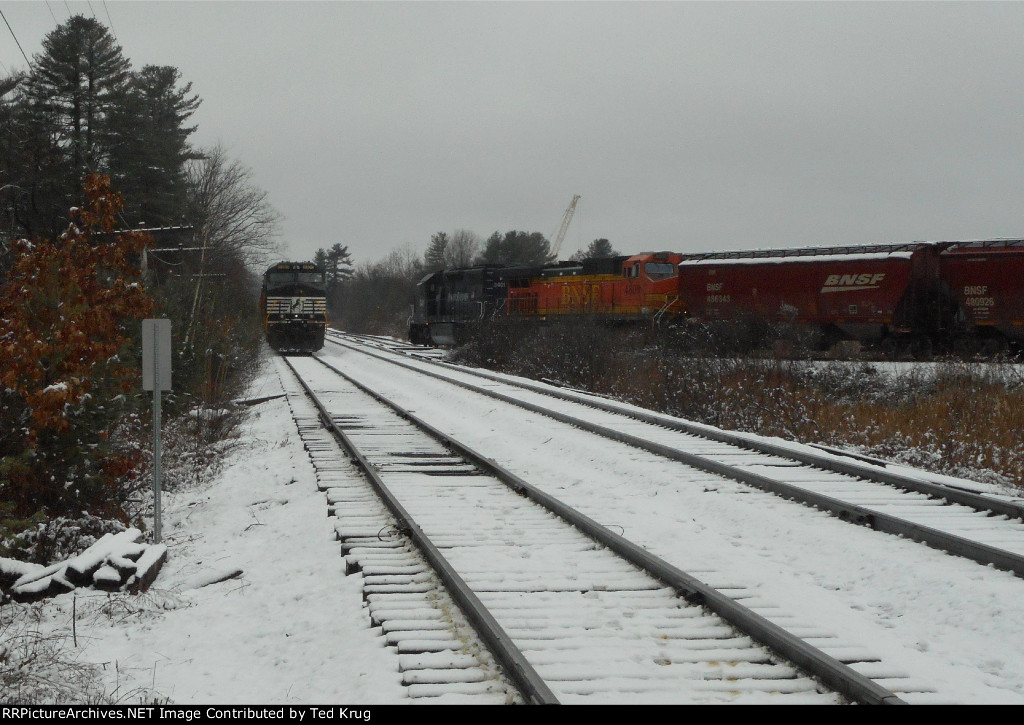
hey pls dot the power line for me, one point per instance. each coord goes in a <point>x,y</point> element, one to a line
<point>15,39</point>
<point>109,21</point>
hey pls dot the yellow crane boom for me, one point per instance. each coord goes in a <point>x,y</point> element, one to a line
<point>566,218</point>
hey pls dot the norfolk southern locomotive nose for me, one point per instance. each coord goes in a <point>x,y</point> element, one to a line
<point>294,306</point>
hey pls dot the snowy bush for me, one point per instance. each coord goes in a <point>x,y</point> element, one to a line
<point>37,668</point>
<point>58,538</point>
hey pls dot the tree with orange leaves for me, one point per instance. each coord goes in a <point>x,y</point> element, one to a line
<point>68,367</point>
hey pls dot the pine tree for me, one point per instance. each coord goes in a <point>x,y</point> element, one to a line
<point>76,85</point>
<point>14,188</point>
<point>517,248</point>
<point>597,249</point>
<point>435,254</point>
<point>339,264</point>
<point>151,151</point>
<point>67,107</point>
<point>34,171</point>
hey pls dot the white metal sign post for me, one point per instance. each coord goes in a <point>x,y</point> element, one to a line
<point>156,376</point>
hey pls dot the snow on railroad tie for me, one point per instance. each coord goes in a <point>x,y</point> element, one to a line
<point>597,628</point>
<point>414,614</point>
<point>676,646</point>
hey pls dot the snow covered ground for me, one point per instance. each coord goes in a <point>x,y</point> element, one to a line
<point>291,628</point>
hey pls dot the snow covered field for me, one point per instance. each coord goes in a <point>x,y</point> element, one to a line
<point>291,628</point>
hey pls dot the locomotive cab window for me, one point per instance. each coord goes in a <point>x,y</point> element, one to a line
<point>313,279</point>
<point>282,279</point>
<point>659,270</point>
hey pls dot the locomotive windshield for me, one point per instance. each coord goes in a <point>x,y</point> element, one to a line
<point>285,279</point>
<point>659,270</point>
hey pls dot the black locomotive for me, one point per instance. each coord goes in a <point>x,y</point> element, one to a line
<point>447,301</point>
<point>294,306</point>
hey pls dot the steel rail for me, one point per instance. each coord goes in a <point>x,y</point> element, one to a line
<point>852,513</point>
<point>872,470</point>
<point>519,670</point>
<point>841,678</point>
<point>859,466</point>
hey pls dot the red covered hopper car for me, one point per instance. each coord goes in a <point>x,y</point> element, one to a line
<point>962,295</point>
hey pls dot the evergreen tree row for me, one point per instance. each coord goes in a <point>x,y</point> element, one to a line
<point>513,248</point>
<point>81,108</point>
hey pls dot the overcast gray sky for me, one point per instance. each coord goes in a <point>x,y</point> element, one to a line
<point>684,126</point>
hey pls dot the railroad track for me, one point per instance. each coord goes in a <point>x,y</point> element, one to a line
<point>439,654</point>
<point>984,528</point>
<point>525,598</point>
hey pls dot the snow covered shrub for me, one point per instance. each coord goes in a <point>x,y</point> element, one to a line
<point>963,419</point>
<point>495,344</point>
<point>67,317</point>
<point>579,352</point>
<point>40,669</point>
<point>57,538</point>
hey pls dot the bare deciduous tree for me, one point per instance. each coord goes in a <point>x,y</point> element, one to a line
<point>229,213</point>
<point>451,251</point>
<point>377,297</point>
<point>462,248</point>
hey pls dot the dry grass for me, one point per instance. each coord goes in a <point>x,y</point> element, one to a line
<point>962,420</point>
<point>39,667</point>
<point>41,643</point>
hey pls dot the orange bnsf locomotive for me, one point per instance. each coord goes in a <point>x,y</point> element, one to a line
<point>294,306</point>
<point>616,289</point>
<point>640,287</point>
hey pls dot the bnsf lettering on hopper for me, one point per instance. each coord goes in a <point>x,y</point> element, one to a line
<point>850,282</point>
